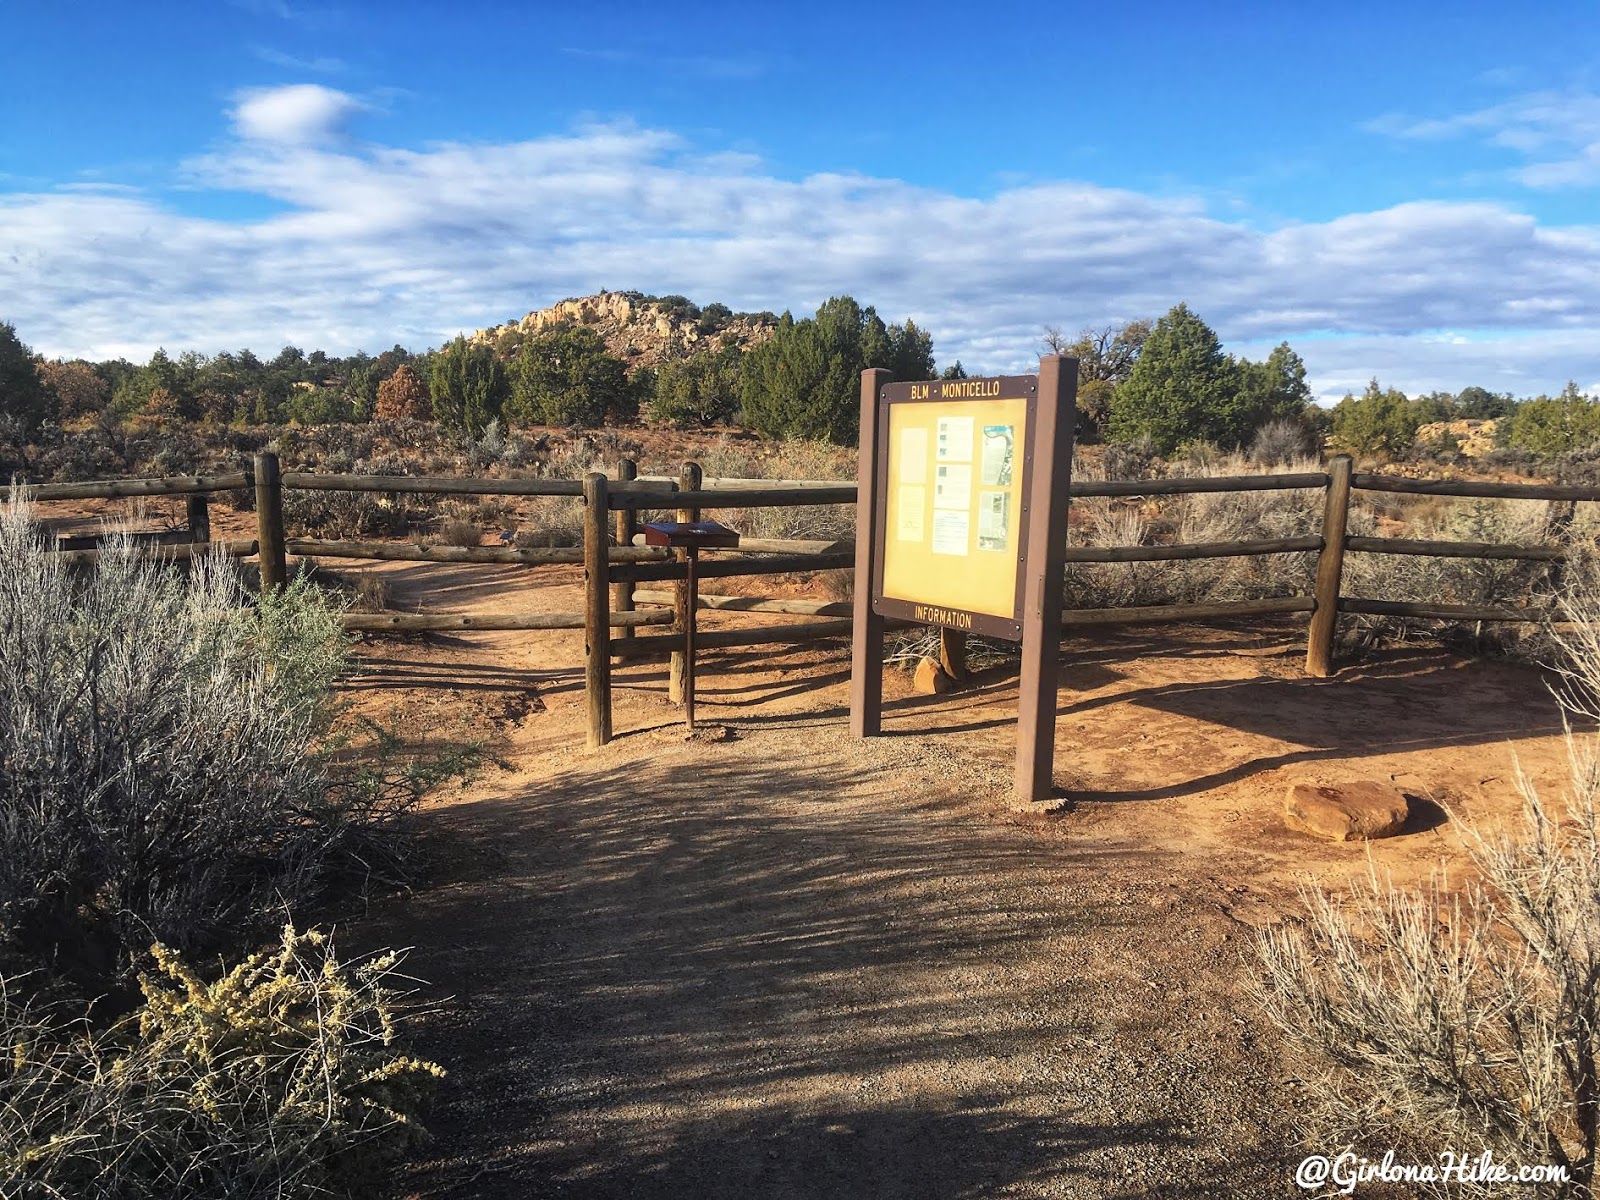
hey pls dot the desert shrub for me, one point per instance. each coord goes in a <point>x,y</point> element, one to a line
<point>549,521</point>
<point>1101,521</point>
<point>1469,1019</point>
<point>1125,460</point>
<point>493,510</point>
<point>278,1079</point>
<point>1284,440</point>
<point>1475,581</point>
<point>790,458</point>
<point>369,592</point>
<point>159,768</point>
<point>455,531</point>
<point>67,457</point>
<point>403,397</point>
<point>343,515</point>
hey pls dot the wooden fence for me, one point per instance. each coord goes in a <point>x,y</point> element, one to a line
<point>615,563</point>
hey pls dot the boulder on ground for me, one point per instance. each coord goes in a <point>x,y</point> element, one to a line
<point>930,679</point>
<point>1347,812</point>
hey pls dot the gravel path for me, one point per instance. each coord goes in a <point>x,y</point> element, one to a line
<point>695,972</point>
<point>796,965</point>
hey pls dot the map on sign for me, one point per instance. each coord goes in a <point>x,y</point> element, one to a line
<point>953,462</point>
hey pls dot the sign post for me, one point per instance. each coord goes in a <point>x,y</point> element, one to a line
<point>962,523</point>
<point>866,631</point>
<point>1045,577</point>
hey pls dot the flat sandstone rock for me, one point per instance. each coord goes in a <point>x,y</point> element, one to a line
<point>930,679</point>
<point>1349,812</point>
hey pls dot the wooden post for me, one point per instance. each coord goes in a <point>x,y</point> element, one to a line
<point>1330,569</point>
<point>198,509</point>
<point>596,609</point>
<point>689,479</point>
<point>953,652</point>
<point>1044,572</point>
<point>627,525</point>
<point>269,523</point>
<point>866,633</point>
<point>688,639</point>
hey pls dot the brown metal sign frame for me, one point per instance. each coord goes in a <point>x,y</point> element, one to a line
<point>1041,567</point>
<point>1011,387</point>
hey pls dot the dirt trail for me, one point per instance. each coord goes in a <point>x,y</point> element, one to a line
<point>795,965</point>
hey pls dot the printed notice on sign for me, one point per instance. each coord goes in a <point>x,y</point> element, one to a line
<point>914,455</point>
<point>998,443</point>
<point>955,439</point>
<point>909,525</point>
<point>952,486</point>
<point>994,531</point>
<point>950,531</point>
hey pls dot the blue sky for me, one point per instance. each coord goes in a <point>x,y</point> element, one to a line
<point>1406,191</point>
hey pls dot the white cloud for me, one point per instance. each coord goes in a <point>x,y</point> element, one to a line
<point>378,244</point>
<point>322,65</point>
<point>296,113</point>
<point>1558,133</point>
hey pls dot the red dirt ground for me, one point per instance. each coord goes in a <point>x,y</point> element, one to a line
<point>793,964</point>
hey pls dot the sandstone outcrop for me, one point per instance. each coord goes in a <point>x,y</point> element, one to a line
<point>640,330</point>
<point>1475,438</point>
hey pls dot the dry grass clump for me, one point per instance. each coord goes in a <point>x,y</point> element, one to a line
<point>1106,521</point>
<point>455,531</point>
<point>344,516</point>
<point>1467,1020</point>
<point>787,459</point>
<point>1474,581</point>
<point>550,521</point>
<point>279,1079</point>
<point>369,592</point>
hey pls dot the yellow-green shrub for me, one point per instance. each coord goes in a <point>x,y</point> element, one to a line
<point>281,1079</point>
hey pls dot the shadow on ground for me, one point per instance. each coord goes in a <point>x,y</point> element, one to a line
<point>733,978</point>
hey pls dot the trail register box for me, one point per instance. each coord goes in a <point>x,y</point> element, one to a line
<point>956,460</point>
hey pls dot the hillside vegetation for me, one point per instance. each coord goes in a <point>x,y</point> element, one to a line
<point>627,359</point>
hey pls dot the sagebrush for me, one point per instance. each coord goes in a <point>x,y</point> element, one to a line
<point>163,768</point>
<point>1467,1019</point>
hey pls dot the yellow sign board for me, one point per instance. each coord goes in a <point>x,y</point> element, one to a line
<point>950,538</point>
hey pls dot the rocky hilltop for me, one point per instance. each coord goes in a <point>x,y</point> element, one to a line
<point>1473,438</point>
<point>643,330</point>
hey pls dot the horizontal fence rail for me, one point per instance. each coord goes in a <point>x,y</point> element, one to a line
<point>116,489</point>
<point>420,552</point>
<point>1173,613</point>
<point>1437,612</point>
<point>754,545</point>
<point>178,552</point>
<point>425,622</point>
<point>755,604</point>
<point>660,645</point>
<point>1217,483</point>
<point>1116,554</point>
<point>741,483</point>
<point>739,497</point>
<point>1462,487</point>
<point>140,539</point>
<point>1385,545</point>
<point>777,564</point>
<point>441,485</point>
